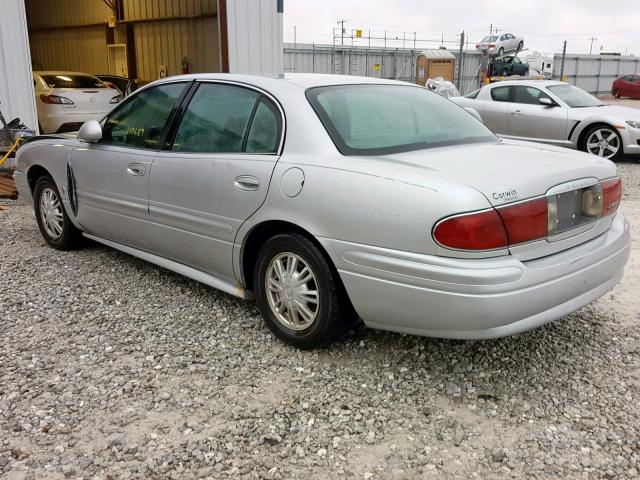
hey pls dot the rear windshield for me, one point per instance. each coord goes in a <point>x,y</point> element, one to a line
<point>72,81</point>
<point>385,119</point>
<point>490,39</point>
<point>575,97</point>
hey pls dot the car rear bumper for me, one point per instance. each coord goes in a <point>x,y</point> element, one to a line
<point>477,298</point>
<point>61,121</point>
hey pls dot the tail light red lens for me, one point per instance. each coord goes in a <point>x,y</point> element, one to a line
<point>55,100</point>
<point>475,231</point>
<point>492,46</point>
<point>525,221</point>
<point>611,194</point>
<point>521,222</point>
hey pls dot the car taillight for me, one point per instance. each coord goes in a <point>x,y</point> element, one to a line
<point>477,45</point>
<point>525,221</point>
<point>492,46</point>
<point>611,195</point>
<point>116,99</point>
<point>55,100</point>
<point>473,231</point>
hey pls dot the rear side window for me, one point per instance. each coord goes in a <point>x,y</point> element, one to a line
<point>528,95</point>
<point>225,118</point>
<point>140,121</point>
<point>72,81</point>
<point>500,94</point>
<point>264,132</point>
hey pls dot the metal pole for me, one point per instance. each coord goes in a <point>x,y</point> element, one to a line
<point>564,55</point>
<point>295,48</point>
<point>460,62</point>
<point>313,58</point>
<point>341,22</point>
<point>591,47</point>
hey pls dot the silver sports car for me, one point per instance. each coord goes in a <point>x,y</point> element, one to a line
<point>331,199</point>
<point>556,113</point>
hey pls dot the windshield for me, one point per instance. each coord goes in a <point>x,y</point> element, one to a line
<point>72,81</point>
<point>574,97</point>
<point>489,39</point>
<point>384,119</point>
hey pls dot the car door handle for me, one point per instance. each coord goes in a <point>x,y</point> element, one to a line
<point>517,113</point>
<point>247,182</point>
<point>136,169</point>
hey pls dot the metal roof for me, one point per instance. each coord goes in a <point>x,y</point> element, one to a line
<point>437,53</point>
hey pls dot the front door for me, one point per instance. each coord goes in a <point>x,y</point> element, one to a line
<point>213,175</point>
<point>111,178</point>
<point>495,110</point>
<point>528,119</point>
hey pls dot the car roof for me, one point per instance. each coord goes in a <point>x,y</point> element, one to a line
<point>303,80</point>
<point>531,83</point>
<point>60,72</point>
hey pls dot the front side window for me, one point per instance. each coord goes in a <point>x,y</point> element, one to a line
<point>386,119</point>
<point>500,94</point>
<point>140,121</point>
<point>574,96</point>
<point>528,95</point>
<point>473,94</point>
<point>216,119</point>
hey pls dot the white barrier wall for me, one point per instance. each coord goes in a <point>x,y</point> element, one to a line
<point>16,81</point>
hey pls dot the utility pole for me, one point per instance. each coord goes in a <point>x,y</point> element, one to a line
<point>564,54</point>
<point>460,62</point>
<point>591,47</point>
<point>341,22</point>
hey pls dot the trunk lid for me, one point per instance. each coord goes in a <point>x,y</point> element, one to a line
<point>87,100</point>
<point>512,171</point>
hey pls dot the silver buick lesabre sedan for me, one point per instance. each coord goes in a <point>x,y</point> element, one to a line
<point>331,199</point>
<point>556,113</point>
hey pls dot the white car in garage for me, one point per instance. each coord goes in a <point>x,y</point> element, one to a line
<point>65,100</point>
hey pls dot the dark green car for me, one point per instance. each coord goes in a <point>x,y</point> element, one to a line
<point>509,65</point>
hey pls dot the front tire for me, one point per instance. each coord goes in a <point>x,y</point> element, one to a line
<point>298,293</point>
<point>603,141</point>
<point>520,45</point>
<point>54,223</point>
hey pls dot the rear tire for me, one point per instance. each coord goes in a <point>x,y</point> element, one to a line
<point>500,52</point>
<point>298,293</point>
<point>54,223</point>
<point>520,45</point>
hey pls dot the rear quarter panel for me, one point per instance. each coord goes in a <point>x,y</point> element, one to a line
<point>52,155</point>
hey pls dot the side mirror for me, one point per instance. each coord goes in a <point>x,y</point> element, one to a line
<point>474,113</point>
<point>90,132</point>
<point>546,102</point>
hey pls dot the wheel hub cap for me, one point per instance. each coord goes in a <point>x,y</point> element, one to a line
<point>51,213</point>
<point>603,143</point>
<point>292,291</point>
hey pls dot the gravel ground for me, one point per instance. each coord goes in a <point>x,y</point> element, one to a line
<point>112,368</point>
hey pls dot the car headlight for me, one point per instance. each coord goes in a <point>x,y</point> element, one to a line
<point>634,123</point>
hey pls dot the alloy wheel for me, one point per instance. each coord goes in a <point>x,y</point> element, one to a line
<point>292,291</point>
<point>603,142</point>
<point>51,213</point>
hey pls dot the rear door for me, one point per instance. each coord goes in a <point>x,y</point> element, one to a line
<point>496,109</point>
<point>528,119</point>
<point>214,173</point>
<point>110,179</point>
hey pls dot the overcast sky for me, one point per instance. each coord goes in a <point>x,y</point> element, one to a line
<point>544,24</point>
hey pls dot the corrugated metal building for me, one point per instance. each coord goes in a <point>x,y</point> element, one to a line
<point>594,73</point>
<point>142,39</point>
